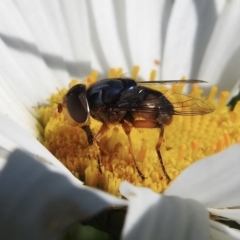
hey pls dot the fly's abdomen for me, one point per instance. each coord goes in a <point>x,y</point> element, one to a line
<point>154,106</point>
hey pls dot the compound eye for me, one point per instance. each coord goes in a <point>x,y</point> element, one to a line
<point>77,103</point>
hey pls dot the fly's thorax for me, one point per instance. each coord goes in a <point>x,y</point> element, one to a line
<point>104,113</point>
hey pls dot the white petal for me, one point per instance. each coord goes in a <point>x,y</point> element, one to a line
<point>19,91</point>
<point>70,22</point>
<point>27,73</point>
<point>107,43</point>
<point>220,63</point>
<point>13,136</point>
<point>154,216</point>
<point>42,28</point>
<point>189,30</point>
<point>16,110</point>
<point>127,33</point>
<point>17,100</point>
<point>213,181</point>
<point>146,23</point>
<point>25,79</point>
<point>222,232</point>
<point>233,214</point>
<point>37,203</point>
<point>21,44</point>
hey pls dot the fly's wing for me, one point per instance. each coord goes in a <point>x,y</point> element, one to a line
<point>168,102</point>
<point>187,105</point>
<point>183,104</point>
<point>190,81</point>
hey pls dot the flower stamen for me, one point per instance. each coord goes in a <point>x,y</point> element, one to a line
<point>135,72</point>
<point>153,75</point>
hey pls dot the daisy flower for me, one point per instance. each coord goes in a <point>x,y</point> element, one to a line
<point>44,45</point>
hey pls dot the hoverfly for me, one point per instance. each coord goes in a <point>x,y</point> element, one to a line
<point>127,102</point>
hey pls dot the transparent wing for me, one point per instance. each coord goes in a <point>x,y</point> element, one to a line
<point>188,105</point>
<point>190,81</point>
<point>177,104</point>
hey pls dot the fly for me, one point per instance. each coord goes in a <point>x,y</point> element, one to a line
<point>128,103</point>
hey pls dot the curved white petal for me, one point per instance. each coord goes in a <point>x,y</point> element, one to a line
<point>146,23</point>
<point>212,181</point>
<point>69,21</point>
<point>154,216</point>
<point>17,36</point>
<point>16,110</point>
<point>220,63</point>
<point>25,79</point>
<point>222,232</point>
<point>106,40</point>
<point>42,29</point>
<point>19,90</point>
<point>18,72</point>
<point>233,214</point>
<point>34,61</point>
<point>39,203</point>
<point>189,30</point>
<point>13,136</point>
<point>127,33</point>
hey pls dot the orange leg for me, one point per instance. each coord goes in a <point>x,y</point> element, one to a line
<point>149,124</point>
<point>127,129</point>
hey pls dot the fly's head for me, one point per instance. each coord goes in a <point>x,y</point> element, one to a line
<point>75,104</point>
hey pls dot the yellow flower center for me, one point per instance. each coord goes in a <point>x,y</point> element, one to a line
<point>186,140</point>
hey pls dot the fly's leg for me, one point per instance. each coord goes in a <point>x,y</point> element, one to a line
<point>127,129</point>
<point>89,134</point>
<point>158,145</point>
<point>104,128</point>
<point>150,124</point>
